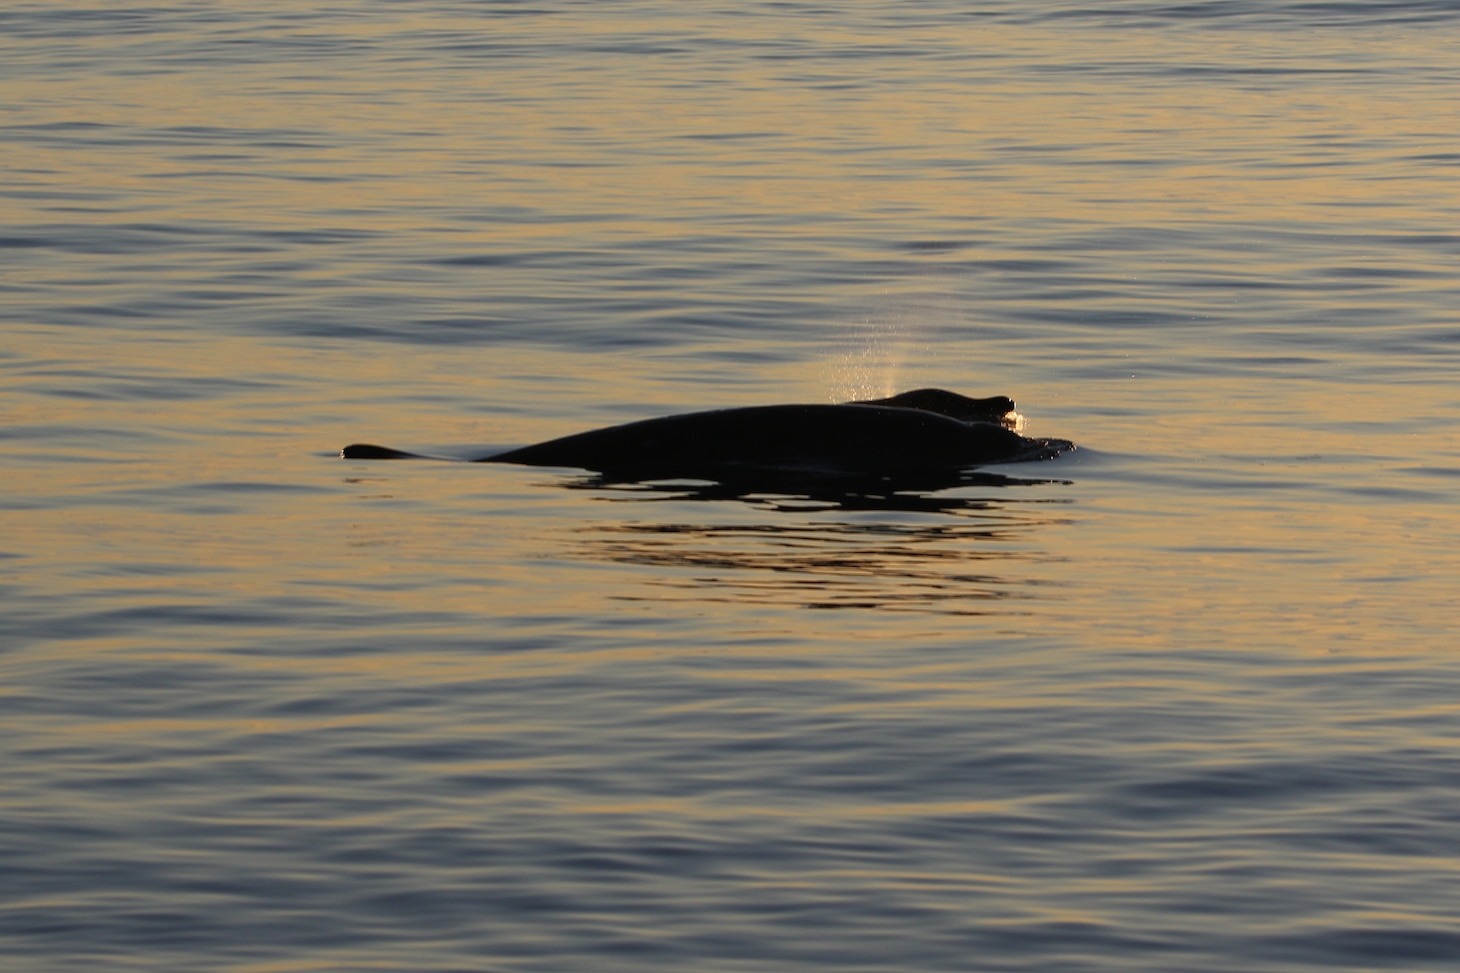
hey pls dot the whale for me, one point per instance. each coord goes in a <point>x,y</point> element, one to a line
<point>919,432</point>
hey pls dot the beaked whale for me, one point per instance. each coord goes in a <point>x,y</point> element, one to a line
<point>922,431</point>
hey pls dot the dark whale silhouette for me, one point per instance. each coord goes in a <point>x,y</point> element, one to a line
<point>918,432</point>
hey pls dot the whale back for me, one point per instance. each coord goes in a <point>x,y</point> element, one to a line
<point>993,409</point>
<point>834,438</point>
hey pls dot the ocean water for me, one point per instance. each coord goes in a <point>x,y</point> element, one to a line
<point>1185,699</point>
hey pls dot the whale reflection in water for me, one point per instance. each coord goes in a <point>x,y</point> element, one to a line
<point>925,435</point>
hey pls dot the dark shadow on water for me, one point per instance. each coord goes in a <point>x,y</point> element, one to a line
<point>798,491</point>
<point>951,544</point>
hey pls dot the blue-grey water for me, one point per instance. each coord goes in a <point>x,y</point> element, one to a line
<point>1191,702</point>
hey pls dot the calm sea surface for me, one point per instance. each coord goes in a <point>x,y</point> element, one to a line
<point>1189,703</point>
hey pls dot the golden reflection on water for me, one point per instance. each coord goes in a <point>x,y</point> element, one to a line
<point>1237,519</point>
<point>639,137</point>
<point>665,144</point>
